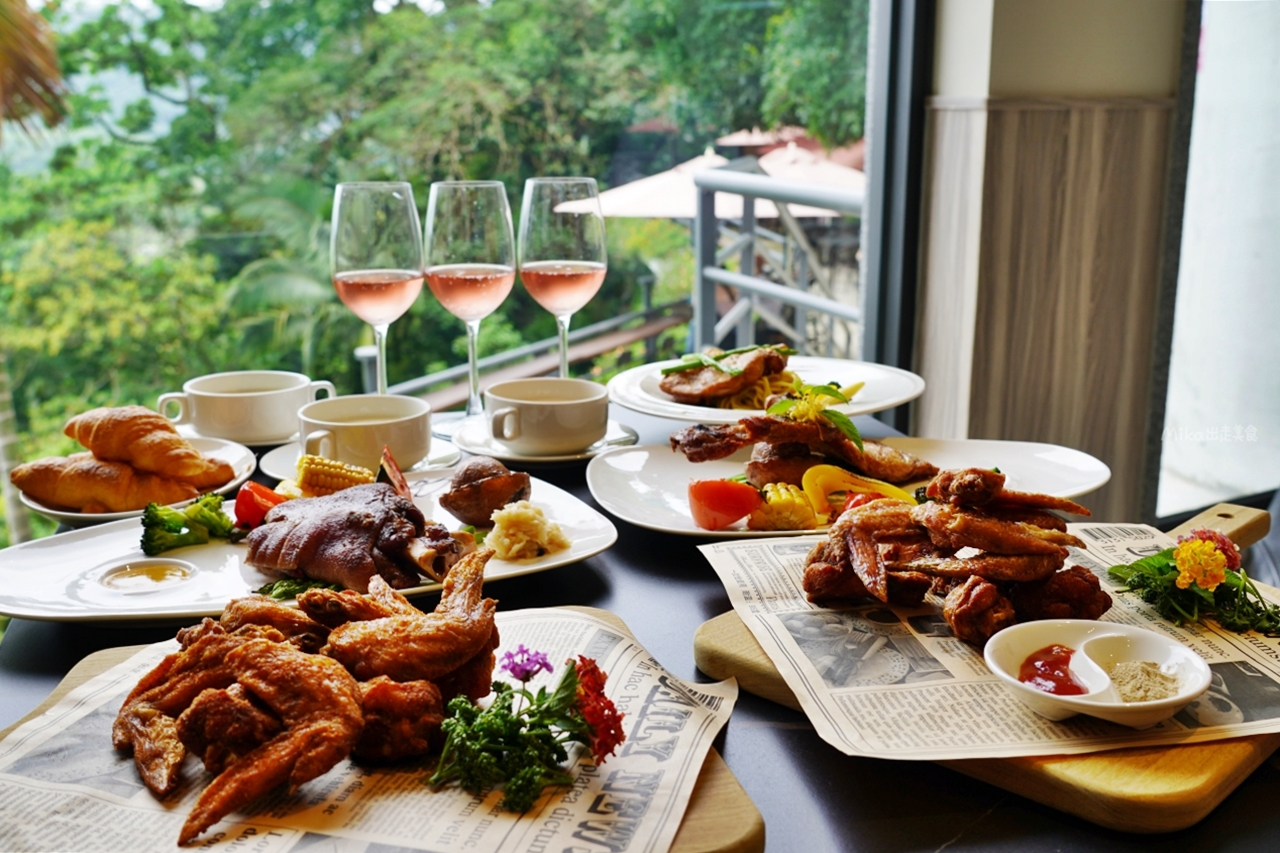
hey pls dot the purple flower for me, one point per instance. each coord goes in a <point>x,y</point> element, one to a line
<point>524,663</point>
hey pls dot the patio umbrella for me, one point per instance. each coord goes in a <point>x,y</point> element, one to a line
<point>673,195</point>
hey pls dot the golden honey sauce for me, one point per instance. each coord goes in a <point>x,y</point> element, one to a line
<point>136,577</point>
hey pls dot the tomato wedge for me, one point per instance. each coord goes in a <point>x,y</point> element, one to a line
<point>252,503</point>
<point>718,503</point>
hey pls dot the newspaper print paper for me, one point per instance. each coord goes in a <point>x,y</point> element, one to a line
<point>892,682</point>
<point>64,788</point>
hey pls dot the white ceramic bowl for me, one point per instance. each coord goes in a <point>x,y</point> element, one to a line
<point>1098,646</point>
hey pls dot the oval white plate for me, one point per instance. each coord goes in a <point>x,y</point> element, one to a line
<point>282,462</point>
<point>885,388</point>
<point>239,457</point>
<point>473,435</point>
<point>60,578</point>
<point>648,485</point>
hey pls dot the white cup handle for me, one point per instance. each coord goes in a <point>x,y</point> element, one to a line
<point>181,400</point>
<point>505,424</point>
<point>322,385</point>
<point>317,442</point>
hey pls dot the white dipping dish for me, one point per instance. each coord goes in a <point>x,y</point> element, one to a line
<point>1098,646</point>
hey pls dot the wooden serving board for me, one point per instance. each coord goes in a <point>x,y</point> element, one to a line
<point>720,818</point>
<point>1143,789</point>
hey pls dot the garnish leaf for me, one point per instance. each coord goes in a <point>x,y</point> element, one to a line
<point>841,422</point>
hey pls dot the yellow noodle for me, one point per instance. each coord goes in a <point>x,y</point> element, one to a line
<point>755,394</point>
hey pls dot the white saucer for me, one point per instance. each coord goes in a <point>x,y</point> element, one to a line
<point>188,431</point>
<point>282,462</point>
<point>473,436</point>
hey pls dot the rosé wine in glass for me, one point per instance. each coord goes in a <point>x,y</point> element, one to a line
<point>378,296</point>
<point>562,286</point>
<point>562,252</point>
<point>471,291</point>
<point>471,264</point>
<point>375,256</point>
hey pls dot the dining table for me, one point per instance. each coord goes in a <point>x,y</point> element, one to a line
<point>811,796</point>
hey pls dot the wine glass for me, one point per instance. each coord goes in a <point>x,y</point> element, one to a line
<point>562,253</point>
<point>375,255</point>
<point>470,257</point>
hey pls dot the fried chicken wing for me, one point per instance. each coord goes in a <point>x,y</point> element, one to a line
<point>426,645</point>
<point>297,627</point>
<point>965,486</point>
<point>318,703</point>
<point>976,610</point>
<point>951,527</point>
<point>146,723</point>
<point>1073,593</point>
<point>401,720</point>
<point>221,726</point>
<point>333,608</point>
<point>993,567</point>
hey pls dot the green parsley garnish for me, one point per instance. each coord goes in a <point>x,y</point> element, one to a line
<point>287,588</point>
<point>521,739</point>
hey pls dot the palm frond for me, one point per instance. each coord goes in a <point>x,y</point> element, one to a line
<point>30,79</point>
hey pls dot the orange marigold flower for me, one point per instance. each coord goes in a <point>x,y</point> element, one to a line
<point>1229,549</point>
<point>598,710</point>
<point>1199,562</point>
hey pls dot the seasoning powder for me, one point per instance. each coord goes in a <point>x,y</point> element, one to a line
<point>1142,681</point>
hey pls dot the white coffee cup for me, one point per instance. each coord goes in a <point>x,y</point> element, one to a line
<point>548,417</point>
<point>247,406</point>
<point>354,429</point>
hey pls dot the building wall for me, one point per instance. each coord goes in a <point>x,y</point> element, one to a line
<point>1043,206</point>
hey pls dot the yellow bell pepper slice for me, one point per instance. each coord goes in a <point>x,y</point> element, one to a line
<point>821,481</point>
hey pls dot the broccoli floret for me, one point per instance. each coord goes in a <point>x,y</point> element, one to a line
<point>164,528</point>
<point>156,537</point>
<point>163,518</point>
<point>207,512</point>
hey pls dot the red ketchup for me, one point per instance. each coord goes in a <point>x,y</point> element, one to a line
<point>1049,670</point>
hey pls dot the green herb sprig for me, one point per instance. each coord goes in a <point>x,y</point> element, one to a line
<point>521,740</point>
<point>696,360</point>
<point>1234,602</point>
<point>287,588</point>
<point>808,402</point>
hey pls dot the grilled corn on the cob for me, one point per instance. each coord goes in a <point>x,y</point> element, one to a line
<point>785,507</point>
<point>318,476</point>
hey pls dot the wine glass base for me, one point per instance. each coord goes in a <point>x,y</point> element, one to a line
<point>446,424</point>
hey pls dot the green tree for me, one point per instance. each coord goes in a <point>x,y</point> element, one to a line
<point>815,62</point>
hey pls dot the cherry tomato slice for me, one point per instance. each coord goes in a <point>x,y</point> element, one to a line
<point>252,503</point>
<point>718,503</point>
<point>858,499</point>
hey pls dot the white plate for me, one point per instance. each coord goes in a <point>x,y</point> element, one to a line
<point>648,485</point>
<point>885,388</point>
<point>61,578</point>
<point>239,457</point>
<point>474,436</point>
<point>282,462</point>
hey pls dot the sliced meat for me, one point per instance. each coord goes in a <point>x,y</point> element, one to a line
<point>705,385</point>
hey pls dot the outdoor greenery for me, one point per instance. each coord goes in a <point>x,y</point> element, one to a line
<point>187,232</point>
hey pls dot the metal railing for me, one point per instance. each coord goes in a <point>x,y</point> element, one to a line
<point>708,329</point>
<point>458,373</point>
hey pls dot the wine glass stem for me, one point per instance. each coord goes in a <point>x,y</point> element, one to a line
<point>562,322</point>
<point>380,339</point>
<point>474,406</point>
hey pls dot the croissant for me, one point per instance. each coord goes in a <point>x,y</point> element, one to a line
<point>82,482</point>
<point>147,441</point>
